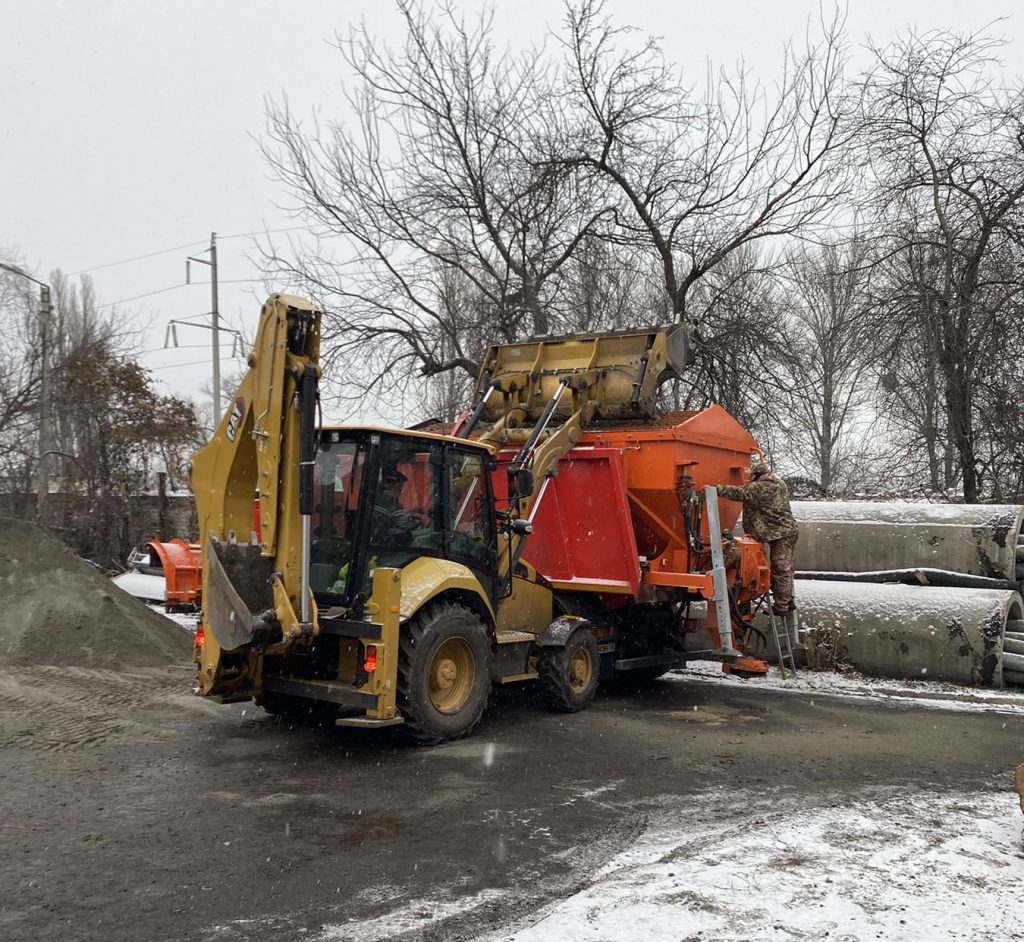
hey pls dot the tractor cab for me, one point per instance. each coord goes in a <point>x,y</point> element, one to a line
<point>386,498</point>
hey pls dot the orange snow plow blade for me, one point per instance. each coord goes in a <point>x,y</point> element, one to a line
<point>180,562</point>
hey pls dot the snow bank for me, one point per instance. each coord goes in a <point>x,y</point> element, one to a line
<point>922,693</point>
<point>904,512</point>
<point>886,865</point>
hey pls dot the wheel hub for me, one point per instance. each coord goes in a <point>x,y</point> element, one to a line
<point>447,673</point>
<point>451,676</point>
<point>580,670</point>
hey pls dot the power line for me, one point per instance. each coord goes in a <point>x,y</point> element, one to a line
<point>181,346</point>
<point>241,235</point>
<point>137,258</point>
<point>184,284</point>
<point>136,297</point>
<point>180,248</point>
<point>178,366</point>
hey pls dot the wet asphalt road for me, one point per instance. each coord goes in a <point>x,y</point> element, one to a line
<point>132,810</point>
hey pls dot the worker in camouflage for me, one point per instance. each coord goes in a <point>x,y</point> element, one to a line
<point>767,517</point>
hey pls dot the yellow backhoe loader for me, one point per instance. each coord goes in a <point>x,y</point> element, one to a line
<point>377,573</point>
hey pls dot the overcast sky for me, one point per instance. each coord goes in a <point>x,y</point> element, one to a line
<point>129,125</point>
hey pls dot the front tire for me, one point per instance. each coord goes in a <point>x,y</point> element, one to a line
<point>444,673</point>
<point>569,675</point>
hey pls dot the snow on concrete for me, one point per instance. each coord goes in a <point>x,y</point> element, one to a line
<point>923,693</point>
<point>846,603</point>
<point>903,512</point>
<point>886,865</point>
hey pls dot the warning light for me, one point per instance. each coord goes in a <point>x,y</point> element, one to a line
<point>370,660</point>
<point>200,637</point>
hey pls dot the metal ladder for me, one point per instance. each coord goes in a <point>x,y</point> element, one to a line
<point>784,639</point>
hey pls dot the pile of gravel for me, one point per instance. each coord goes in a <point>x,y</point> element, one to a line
<point>57,609</point>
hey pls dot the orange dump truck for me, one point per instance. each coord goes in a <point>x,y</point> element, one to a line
<point>621,536</point>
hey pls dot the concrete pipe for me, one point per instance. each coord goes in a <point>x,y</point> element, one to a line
<point>915,632</point>
<point>862,536</point>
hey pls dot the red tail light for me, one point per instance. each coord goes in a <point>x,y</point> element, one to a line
<point>200,637</point>
<point>370,659</point>
<point>256,524</point>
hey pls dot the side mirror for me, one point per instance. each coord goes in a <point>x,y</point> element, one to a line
<point>521,482</point>
<point>520,526</point>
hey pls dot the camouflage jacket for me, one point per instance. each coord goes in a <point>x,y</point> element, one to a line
<point>766,513</point>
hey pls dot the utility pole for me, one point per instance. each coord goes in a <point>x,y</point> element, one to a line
<point>45,309</point>
<point>43,481</point>
<point>216,329</point>
<point>215,317</point>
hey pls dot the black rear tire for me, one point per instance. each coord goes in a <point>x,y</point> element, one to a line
<point>569,675</point>
<point>444,673</point>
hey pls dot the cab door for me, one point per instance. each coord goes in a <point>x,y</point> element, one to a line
<point>470,536</point>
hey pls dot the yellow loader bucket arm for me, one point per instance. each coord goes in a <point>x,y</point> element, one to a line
<point>258,465</point>
<point>524,387</point>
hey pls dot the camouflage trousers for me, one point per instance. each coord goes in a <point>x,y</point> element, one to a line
<point>782,562</point>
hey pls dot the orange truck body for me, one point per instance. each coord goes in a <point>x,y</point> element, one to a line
<point>611,523</point>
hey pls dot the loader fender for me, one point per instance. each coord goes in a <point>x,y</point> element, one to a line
<point>558,633</point>
<point>426,578</point>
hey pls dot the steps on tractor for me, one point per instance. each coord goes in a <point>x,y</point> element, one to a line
<point>512,657</point>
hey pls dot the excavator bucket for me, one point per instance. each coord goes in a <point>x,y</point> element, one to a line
<point>620,373</point>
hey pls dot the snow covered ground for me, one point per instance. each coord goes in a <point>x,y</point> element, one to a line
<point>924,693</point>
<point>187,620</point>
<point>887,865</point>
<point>734,866</point>
<point>883,864</point>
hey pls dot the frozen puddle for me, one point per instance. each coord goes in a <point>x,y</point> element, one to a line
<point>888,866</point>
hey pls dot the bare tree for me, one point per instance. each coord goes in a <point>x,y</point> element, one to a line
<point>698,177</point>
<point>109,429</point>
<point>746,346</point>
<point>610,286</point>
<point>833,396</point>
<point>117,433</point>
<point>20,361</point>
<point>999,400</point>
<point>449,174</point>
<point>945,142</point>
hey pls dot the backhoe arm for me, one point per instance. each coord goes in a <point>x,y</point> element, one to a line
<point>253,489</point>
